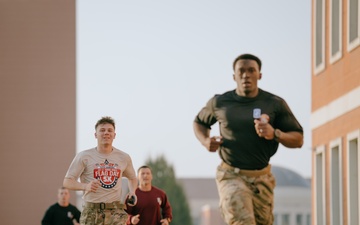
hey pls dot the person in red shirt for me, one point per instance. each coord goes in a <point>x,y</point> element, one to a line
<point>153,206</point>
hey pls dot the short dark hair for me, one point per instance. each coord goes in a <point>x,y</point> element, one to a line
<point>105,119</point>
<point>63,188</point>
<point>144,167</point>
<point>247,56</point>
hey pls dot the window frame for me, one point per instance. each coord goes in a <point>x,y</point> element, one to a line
<point>320,150</point>
<point>333,144</point>
<point>335,57</point>
<point>319,68</point>
<point>351,45</point>
<point>355,135</point>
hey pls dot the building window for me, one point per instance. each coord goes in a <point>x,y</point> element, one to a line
<point>285,219</point>
<point>335,30</point>
<point>353,24</point>
<point>299,219</point>
<point>319,38</point>
<point>276,219</point>
<point>353,173</point>
<point>308,219</point>
<point>335,182</point>
<point>320,186</point>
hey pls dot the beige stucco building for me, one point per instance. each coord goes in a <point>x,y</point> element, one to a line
<point>38,105</point>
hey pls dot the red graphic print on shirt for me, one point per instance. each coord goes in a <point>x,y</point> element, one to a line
<point>107,173</point>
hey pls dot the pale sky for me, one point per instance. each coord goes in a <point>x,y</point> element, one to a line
<point>152,65</point>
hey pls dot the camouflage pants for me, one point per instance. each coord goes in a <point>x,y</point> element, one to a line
<point>90,216</point>
<point>244,199</point>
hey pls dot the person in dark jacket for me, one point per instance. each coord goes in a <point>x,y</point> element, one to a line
<point>62,212</point>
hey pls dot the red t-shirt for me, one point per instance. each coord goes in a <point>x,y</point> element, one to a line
<point>152,206</point>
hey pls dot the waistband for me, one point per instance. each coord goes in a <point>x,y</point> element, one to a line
<point>248,173</point>
<point>102,205</point>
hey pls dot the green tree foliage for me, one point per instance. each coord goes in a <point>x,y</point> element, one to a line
<point>164,178</point>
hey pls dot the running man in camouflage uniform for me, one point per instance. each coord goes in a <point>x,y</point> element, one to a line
<point>100,170</point>
<point>252,124</point>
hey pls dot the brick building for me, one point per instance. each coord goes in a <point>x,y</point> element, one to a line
<point>335,111</point>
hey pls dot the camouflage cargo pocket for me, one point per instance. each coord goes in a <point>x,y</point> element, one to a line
<point>264,199</point>
<point>88,217</point>
<point>116,217</point>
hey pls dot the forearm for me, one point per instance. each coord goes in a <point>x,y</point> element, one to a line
<point>74,185</point>
<point>132,185</point>
<point>128,221</point>
<point>45,221</point>
<point>291,139</point>
<point>167,213</point>
<point>75,222</point>
<point>201,132</point>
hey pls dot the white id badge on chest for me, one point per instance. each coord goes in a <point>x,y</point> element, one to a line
<point>257,113</point>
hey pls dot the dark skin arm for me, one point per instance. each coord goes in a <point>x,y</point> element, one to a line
<point>202,133</point>
<point>291,139</point>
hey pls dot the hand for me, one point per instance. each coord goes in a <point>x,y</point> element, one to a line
<point>131,199</point>
<point>263,128</point>
<point>135,219</point>
<point>75,222</point>
<point>164,221</point>
<point>212,144</point>
<point>93,185</point>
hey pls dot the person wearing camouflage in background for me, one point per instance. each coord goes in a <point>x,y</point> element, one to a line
<point>252,124</point>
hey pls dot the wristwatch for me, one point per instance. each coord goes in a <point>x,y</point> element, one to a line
<point>277,134</point>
